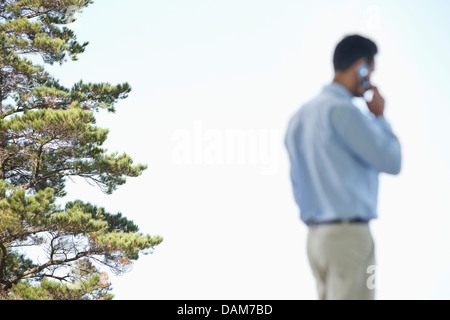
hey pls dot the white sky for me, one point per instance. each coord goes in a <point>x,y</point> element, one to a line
<point>214,85</point>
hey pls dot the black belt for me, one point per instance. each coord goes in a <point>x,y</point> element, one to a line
<point>337,221</point>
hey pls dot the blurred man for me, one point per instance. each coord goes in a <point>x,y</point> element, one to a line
<point>336,154</point>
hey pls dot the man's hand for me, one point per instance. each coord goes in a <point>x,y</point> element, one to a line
<point>376,106</point>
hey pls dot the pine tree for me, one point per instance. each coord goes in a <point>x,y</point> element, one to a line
<point>48,134</point>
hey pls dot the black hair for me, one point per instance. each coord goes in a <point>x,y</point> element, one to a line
<point>352,48</point>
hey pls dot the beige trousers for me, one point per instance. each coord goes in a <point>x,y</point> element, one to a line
<point>341,256</point>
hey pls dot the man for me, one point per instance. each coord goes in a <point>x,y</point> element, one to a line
<point>336,154</point>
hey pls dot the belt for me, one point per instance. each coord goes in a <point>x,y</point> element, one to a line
<point>337,221</point>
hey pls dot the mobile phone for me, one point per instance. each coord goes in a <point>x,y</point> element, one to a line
<point>363,73</point>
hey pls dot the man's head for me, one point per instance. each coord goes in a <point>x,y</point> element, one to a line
<point>350,54</point>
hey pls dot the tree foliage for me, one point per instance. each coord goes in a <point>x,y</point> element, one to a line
<point>48,134</point>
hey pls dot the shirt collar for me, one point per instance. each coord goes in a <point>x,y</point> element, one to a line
<point>338,89</point>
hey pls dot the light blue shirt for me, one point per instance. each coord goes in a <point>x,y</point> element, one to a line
<point>336,154</point>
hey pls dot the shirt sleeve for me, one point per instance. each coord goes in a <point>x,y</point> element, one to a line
<point>371,140</point>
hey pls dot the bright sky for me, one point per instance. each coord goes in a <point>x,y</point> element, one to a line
<point>214,85</point>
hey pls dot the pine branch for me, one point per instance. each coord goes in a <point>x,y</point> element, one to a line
<point>34,272</point>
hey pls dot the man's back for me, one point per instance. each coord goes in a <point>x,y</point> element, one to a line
<point>336,154</point>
